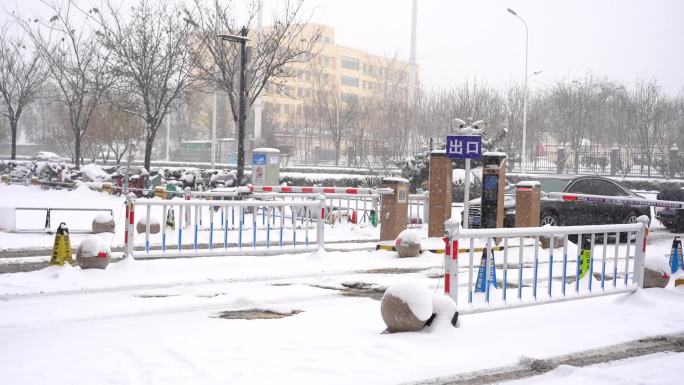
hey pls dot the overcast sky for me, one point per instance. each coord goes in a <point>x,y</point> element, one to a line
<point>463,39</point>
<point>459,39</point>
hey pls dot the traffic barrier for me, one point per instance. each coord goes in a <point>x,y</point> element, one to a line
<point>362,204</point>
<point>608,268</point>
<point>233,226</point>
<point>613,199</point>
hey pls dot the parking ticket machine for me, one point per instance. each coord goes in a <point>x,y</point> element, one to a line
<point>493,186</point>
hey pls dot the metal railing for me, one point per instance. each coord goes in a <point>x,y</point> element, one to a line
<point>576,262</point>
<point>358,205</point>
<point>224,227</point>
<point>47,227</point>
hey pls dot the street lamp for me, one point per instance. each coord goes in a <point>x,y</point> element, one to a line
<point>524,149</point>
<point>242,116</point>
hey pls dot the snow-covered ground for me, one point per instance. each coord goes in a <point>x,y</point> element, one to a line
<point>655,369</point>
<point>158,321</point>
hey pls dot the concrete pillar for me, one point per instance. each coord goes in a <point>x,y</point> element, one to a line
<point>394,208</point>
<point>527,204</point>
<point>439,201</point>
<point>560,160</point>
<point>674,150</point>
<point>614,160</point>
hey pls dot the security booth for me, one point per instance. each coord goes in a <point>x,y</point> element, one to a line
<point>527,204</point>
<point>493,186</point>
<point>265,167</point>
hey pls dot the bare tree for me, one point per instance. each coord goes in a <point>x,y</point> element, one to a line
<point>648,117</point>
<point>77,62</point>
<point>339,113</point>
<point>286,40</point>
<point>22,74</point>
<point>152,55</point>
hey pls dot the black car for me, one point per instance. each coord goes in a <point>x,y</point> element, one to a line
<point>557,212</point>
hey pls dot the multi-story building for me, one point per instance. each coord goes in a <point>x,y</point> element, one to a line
<point>352,73</point>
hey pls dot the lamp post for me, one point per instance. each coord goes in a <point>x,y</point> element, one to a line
<point>524,148</point>
<point>242,116</point>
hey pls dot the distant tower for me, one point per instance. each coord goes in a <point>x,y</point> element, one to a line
<point>412,59</point>
<point>257,102</point>
<point>412,73</point>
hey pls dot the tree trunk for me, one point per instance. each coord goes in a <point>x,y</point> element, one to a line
<point>13,129</point>
<point>77,150</point>
<point>149,142</point>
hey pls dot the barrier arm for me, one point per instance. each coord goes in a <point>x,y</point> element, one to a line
<point>610,199</point>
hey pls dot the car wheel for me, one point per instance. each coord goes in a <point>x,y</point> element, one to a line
<point>548,218</point>
<point>631,218</point>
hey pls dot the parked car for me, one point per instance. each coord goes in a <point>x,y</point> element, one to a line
<point>671,218</point>
<point>558,212</point>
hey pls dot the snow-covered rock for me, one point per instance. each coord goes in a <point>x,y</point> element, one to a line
<point>155,227</point>
<point>407,243</point>
<point>93,253</point>
<point>103,223</point>
<point>656,271</point>
<point>406,306</point>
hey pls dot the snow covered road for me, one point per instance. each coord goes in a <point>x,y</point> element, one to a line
<point>172,334</point>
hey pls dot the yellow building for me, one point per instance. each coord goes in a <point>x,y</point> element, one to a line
<point>354,73</point>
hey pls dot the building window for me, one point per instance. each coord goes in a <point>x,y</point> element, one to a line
<point>350,81</point>
<point>350,63</point>
<point>349,98</point>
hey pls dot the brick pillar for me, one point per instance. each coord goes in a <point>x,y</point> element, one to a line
<point>394,208</point>
<point>527,204</point>
<point>439,201</point>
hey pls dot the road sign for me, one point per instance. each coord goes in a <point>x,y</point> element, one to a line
<point>464,146</point>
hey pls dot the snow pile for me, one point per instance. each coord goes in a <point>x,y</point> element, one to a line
<point>444,309</point>
<point>416,295</point>
<point>103,218</point>
<point>657,263</point>
<point>408,237</point>
<point>94,245</point>
<point>94,173</point>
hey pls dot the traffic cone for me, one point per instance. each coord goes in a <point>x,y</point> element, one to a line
<point>676,257</point>
<point>61,250</point>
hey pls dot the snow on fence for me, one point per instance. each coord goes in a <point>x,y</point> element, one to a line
<point>223,227</point>
<point>357,204</point>
<point>541,264</point>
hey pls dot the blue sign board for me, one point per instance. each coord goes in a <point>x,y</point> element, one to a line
<point>258,159</point>
<point>464,146</point>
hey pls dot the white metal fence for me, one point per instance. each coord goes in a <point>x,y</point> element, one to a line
<point>223,227</point>
<point>355,204</point>
<point>576,262</point>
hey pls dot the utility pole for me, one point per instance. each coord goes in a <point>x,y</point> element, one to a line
<point>242,116</point>
<point>213,130</point>
<point>258,103</point>
<point>412,73</point>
